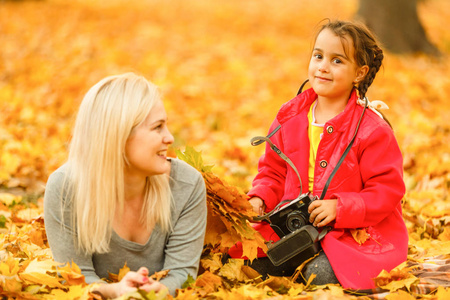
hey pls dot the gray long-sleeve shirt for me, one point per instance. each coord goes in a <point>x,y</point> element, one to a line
<point>178,251</point>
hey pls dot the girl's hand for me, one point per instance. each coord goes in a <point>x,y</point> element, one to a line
<point>322,212</point>
<point>258,205</point>
<point>130,283</point>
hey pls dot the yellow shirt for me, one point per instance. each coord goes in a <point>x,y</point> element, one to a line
<point>315,132</point>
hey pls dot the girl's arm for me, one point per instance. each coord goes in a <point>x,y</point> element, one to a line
<point>381,170</point>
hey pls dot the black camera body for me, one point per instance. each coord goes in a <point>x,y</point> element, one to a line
<point>292,216</point>
<point>299,240</point>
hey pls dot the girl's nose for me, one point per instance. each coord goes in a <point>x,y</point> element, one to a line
<point>323,66</point>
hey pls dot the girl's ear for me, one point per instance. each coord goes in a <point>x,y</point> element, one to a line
<point>361,73</point>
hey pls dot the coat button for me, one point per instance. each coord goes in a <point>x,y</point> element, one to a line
<point>330,129</point>
<point>323,164</point>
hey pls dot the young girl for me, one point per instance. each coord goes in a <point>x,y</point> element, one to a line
<point>313,130</point>
<point>119,199</point>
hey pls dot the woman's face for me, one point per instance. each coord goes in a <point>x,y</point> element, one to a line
<point>146,147</point>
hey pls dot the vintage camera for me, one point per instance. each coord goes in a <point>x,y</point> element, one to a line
<point>292,216</point>
<point>299,240</point>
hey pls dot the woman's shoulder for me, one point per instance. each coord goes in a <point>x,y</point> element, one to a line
<point>183,172</point>
<point>57,177</point>
<point>186,183</point>
<point>56,186</point>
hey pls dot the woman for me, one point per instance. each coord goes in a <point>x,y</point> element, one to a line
<point>119,199</point>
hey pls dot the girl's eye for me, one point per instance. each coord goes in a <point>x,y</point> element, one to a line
<point>318,56</point>
<point>337,61</point>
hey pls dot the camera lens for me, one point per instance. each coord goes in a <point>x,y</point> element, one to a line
<point>295,220</point>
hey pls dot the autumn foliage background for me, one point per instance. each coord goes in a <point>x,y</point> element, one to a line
<point>225,68</point>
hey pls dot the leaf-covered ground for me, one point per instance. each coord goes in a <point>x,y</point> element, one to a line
<point>225,68</point>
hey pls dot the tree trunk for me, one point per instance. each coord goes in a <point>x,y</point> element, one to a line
<point>396,24</point>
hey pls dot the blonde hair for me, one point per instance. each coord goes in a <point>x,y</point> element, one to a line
<point>109,112</point>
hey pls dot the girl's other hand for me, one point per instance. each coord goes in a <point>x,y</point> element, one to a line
<point>322,212</point>
<point>258,205</point>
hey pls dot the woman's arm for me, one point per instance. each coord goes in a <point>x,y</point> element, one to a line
<point>58,226</point>
<point>185,243</point>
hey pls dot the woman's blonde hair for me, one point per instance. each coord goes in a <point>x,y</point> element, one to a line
<point>109,112</point>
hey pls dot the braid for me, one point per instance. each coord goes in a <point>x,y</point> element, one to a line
<point>367,50</point>
<point>374,67</point>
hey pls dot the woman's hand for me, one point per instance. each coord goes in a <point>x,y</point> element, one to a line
<point>322,212</point>
<point>258,205</point>
<point>130,283</point>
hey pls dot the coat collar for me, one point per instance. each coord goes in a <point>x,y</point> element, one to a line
<point>302,102</point>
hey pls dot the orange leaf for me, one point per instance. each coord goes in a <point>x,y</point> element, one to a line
<point>123,272</point>
<point>208,282</point>
<point>159,275</point>
<point>360,235</point>
<point>72,274</point>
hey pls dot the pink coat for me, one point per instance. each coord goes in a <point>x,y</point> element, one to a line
<point>368,186</point>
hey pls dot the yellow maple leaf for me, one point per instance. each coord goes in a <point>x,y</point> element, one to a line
<point>212,263</point>
<point>396,279</point>
<point>9,266</point>
<point>233,270</point>
<point>41,272</point>
<point>400,295</point>
<point>122,272</point>
<point>443,293</point>
<point>73,292</point>
<point>11,284</point>
<point>445,235</point>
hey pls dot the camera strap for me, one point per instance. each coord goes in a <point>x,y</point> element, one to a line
<point>347,150</point>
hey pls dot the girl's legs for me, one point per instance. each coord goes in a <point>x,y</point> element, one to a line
<point>319,266</point>
<point>322,268</point>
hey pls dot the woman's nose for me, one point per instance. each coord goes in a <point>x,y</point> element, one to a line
<point>168,137</point>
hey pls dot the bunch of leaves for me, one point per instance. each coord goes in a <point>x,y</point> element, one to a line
<point>229,211</point>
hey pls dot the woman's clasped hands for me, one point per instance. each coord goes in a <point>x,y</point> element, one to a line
<point>130,283</point>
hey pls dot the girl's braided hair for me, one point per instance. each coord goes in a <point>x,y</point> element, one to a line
<point>367,50</point>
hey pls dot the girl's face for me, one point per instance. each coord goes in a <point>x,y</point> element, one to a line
<point>146,147</point>
<point>332,69</point>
